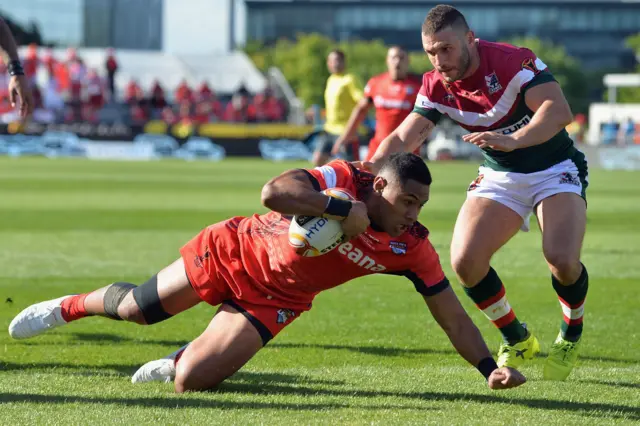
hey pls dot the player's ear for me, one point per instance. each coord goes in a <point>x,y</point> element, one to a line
<point>471,37</point>
<point>379,183</point>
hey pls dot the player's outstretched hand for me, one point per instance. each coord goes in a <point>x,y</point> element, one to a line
<point>493,140</point>
<point>357,221</point>
<point>20,94</point>
<point>505,378</point>
<point>370,167</point>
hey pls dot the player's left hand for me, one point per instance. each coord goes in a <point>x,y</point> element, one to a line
<point>496,141</point>
<point>19,91</point>
<point>505,378</point>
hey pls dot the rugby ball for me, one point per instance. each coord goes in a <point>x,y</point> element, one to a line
<point>313,236</point>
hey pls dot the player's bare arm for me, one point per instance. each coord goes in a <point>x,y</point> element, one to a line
<point>551,114</point>
<point>293,193</point>
<point>18,87</point>
<point>357,116</point>
<point>466,338</point>
<point>407,137</point>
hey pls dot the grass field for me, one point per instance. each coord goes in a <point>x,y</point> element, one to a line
<point>369,352</point>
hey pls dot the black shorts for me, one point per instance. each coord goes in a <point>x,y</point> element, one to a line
<point>325,142</point>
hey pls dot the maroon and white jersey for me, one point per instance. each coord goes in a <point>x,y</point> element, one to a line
<point>493,99</point>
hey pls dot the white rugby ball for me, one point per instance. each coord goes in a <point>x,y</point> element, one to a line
<point>313,236</point>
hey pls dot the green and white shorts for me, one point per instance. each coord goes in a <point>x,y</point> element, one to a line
<point>522,192</point>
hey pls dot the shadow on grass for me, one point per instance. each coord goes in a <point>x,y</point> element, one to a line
<point>599,409</point>
<point>604,410</point>
<point>186,402</point>
<point>612,384</point>
<point>370,350</point>
<point>247,378</point>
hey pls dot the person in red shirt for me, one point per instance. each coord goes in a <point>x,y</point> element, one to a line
<point>183,93</point>
<point>246,265</point>
<point>111,65</point>
<point>393,94</point>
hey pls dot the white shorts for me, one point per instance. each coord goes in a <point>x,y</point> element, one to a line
<point>522,192</point>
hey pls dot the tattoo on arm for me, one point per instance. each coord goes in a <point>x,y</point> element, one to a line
<point>426,130</point>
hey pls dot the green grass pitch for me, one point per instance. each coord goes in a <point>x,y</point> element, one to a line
<point>368,353</point>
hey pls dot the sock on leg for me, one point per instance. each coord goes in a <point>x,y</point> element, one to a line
<point>572,299</point>
<point>489,296</point>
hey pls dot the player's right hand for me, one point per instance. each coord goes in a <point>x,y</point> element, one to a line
<point>357,221</point>
<point>337,146</point>
<point>505,378</point>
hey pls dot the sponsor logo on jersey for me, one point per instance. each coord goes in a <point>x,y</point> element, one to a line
<point>449,98</point>
<point>381,102</point>
<point>199,259</point>
<point>410,90</point>
<point>356,255</point>
<point>515,126</point>
<point>398,247</point>
<point>569,179</point>
<point>492,83</point>
<point>530,64</point>
<point>284,315</point>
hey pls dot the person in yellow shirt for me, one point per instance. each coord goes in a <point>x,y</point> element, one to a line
<point>341,95</point>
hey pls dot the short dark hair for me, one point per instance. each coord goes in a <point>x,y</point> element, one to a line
<point>441,17</point>
<point>339,53</point>
<point>406,166</point>
<point>397,47</point>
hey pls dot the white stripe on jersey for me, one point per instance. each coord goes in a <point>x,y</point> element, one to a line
<point>495,114</point>
<point>329,175</point>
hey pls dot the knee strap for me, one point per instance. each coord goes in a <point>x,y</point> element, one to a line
<point>148,300</point>
<point>114,295</point>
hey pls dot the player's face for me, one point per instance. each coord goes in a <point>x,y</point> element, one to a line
<point>448,51</point>
<point>399,205</point>
<point>334,63</point>
<point>397,63</point>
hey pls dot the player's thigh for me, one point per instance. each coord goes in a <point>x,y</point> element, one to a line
<point>227,344</point>
<point>174,289</point>
<point>235,334</point>
<point>562,218</point>
<point>167,293</point>
<point>483,226</point>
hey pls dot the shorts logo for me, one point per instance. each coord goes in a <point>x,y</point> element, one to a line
<point>568,178</point>
<point>199,259</point>
<point>398,247</point>
<point>530,64</point>
<point>475,183</point>
<point>492,83</point>
<point>284,315</point>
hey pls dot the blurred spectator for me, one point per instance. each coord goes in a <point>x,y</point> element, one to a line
<point>204,113</point>
<point>183,93</point>
<point>133,94</point>
<point>30,62</point>
<point>267,107</point>
<point>95,90</point>
<point>158,101</point>
<point>111,66</point>
<point>239,110</point>
<point>577,128</point>
<point>77,76</point>
<point>184,115</point>
<point>205,93</point>
<point>627,131</point>
<point>49,62</point>
<point>138,115</point>
<point>169,116</point>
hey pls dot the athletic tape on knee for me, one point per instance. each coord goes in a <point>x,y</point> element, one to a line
<point>148,300</point>
<point>114,295</point>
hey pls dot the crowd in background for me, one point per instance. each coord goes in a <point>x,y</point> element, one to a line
<point>74,92</point>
